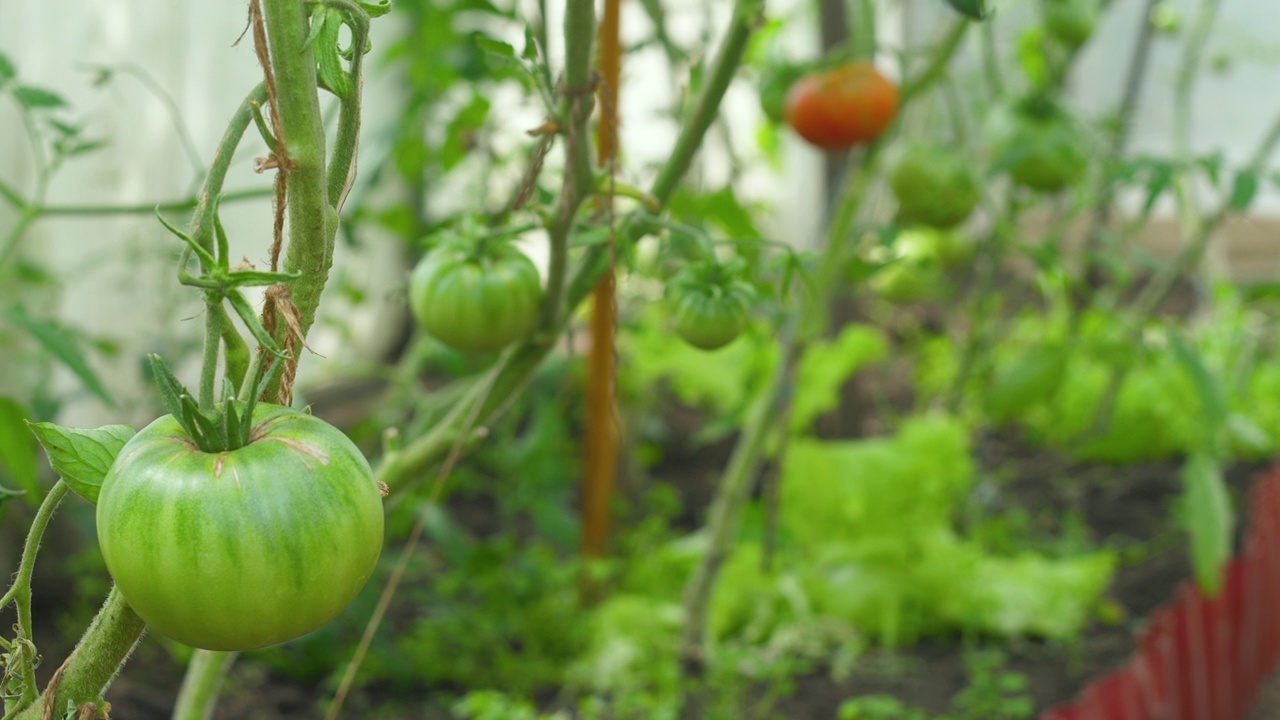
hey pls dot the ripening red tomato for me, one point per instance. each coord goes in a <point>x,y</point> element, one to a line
<point>842,107</point>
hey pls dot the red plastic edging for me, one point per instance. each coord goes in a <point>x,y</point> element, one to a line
<point>1202,658</point>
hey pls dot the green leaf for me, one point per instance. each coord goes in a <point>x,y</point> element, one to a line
<point>331,72</point>
<point>376,9</point>
<point>1213,397</point>
<point>34,97</point>
<point>1027,382</point>
<point>61,343</point>
<point>826,366</point>
<point>318,19</point>
<point>1209,519</point>
<point>1243,189</point>
<point>82,457</point>
<point>7,70</point>
<point>495,47</point>
<point>1031,57</point>
<point>972,9</point>
<point>18,453</point>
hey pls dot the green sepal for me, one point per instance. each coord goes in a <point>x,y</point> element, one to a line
<point>171,389</point>
<point>250,318</point>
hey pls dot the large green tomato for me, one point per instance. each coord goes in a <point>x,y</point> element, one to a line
<point>935,186</point>
<point>246,548</point>
<point>476,298</point>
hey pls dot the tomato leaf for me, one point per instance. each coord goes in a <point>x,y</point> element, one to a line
<point>1213,397</point>
<point>60,343</point>
<point>972,9</point>
<point>32,98</point>
<point>7,70</point>
<point>1243,189</point>
<point>1031,57</point>
<point>1028,381</point>
<point>826,366</point>
<point>376,9</point>
<point>82,457</point>
<point>331,72</point>
<point>1209,519</point>
<point>18,452</point>
<point>494,47</point>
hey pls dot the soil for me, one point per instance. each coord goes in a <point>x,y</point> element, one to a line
<point>1123,506</point>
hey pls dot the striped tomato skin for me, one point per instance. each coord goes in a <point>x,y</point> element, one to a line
<point>241,549</point>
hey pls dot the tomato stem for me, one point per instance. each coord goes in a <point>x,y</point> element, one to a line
<point>98,657</point>
<point>202,683</point>
<point>19,593</point>
<point>400,468</point>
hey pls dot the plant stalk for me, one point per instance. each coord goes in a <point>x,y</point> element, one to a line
<point>198,697</point>
<point>19,592</point>
<point>93,665</point>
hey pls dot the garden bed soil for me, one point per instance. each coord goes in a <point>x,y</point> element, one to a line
<point>1127,507</point>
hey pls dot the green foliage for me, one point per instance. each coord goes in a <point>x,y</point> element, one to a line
<point>82,457</point>
<point>1180,393</point>
<point>991,694</point>
<point>827,365</point>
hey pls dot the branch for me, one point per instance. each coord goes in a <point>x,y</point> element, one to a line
<point>93,665</point>
<point>399,468</point>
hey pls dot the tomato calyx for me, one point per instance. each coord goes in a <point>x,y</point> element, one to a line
<point>220,429</point>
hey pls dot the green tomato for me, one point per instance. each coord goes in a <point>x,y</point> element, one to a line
<point>947,248</point>
<point>241,549</point>
<point>908,280</point>
<point>934,186</point>
<point>1070,22</point>
<point>476,299</point>
<point>1045,153</point>
<point>710,302</point>
<point>709,318</point>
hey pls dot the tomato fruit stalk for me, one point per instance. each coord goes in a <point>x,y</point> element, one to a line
<point>476,294</point>
<point>842,107</point>
<point>244,548</point>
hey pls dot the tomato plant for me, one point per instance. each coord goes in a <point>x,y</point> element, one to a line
<point>842,107</point>
<point>934,186</point>
<point>243,548</point>
<point>709,304</point>
<point>476,294</point>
